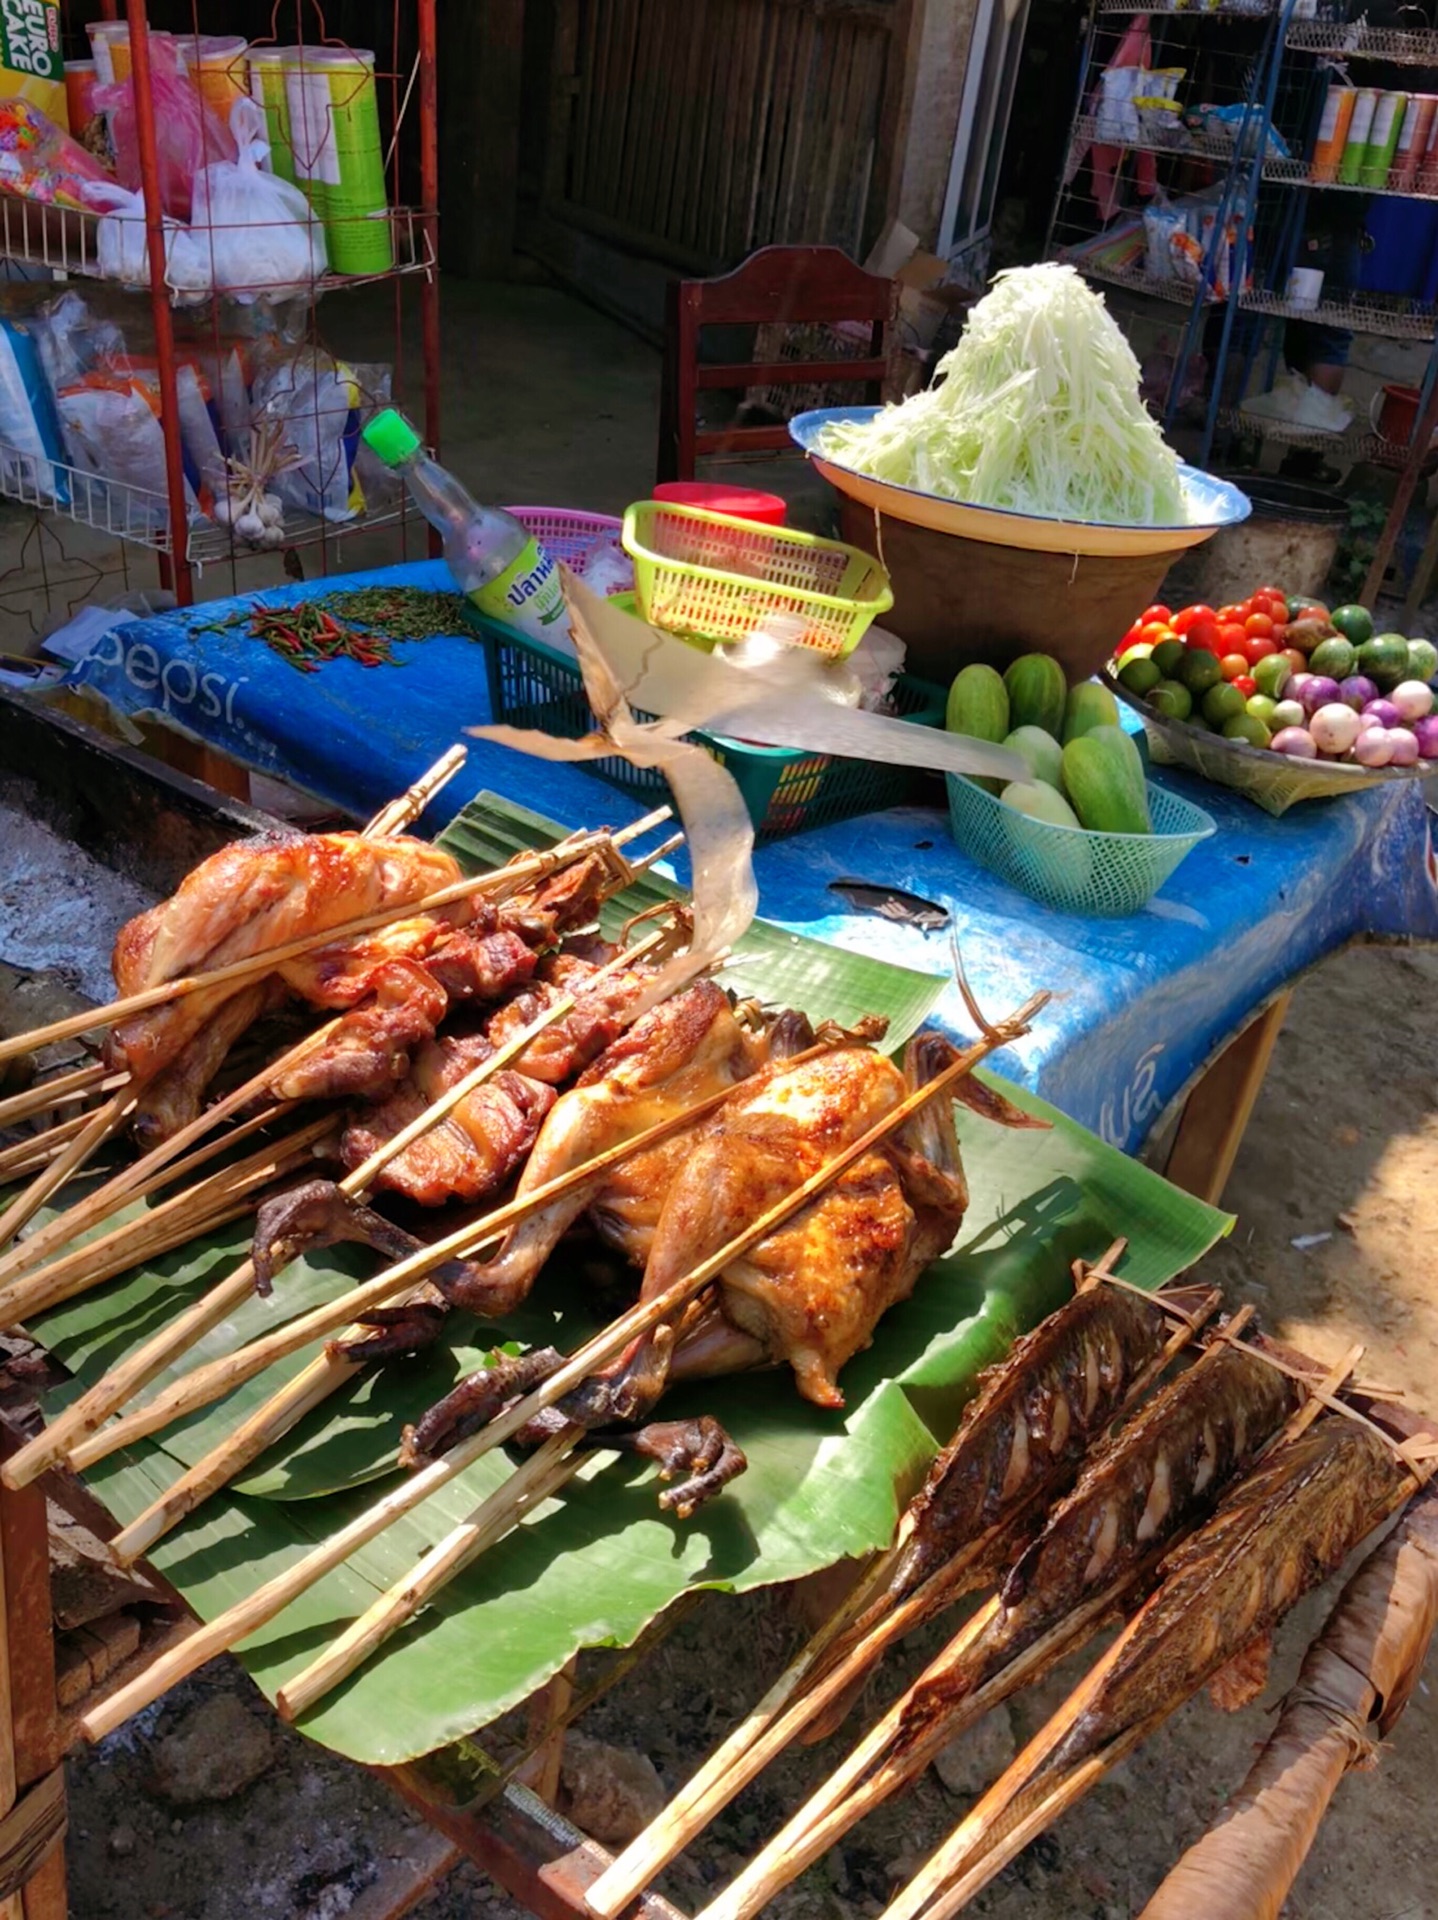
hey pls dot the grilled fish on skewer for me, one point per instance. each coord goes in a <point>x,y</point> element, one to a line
<point>1275,1536</point>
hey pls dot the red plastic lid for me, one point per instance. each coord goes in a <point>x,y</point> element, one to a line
<point>741,502</point>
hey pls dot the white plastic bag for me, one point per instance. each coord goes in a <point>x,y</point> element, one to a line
<point>123,250</point>
<point>317,401</point>
<point>259,231</point>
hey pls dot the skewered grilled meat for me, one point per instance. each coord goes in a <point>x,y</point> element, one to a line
<point>1032,1421</point>
<point>174,1097</point>
<point>1275,1536</point>
<point>811,1292</point>
<point>1158,1475</point>
<point>475,1148</point>
<point>249,896</point>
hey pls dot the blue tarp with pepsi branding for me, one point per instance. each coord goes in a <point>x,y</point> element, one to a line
<point>1141,1004</point>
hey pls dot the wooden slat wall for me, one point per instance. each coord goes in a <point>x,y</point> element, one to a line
<point>698,130</point>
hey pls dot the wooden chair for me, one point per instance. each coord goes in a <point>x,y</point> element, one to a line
<point>784,286</point>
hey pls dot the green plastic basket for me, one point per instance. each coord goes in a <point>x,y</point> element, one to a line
<point>1067,867</point>
<point>708,576</point>
<point>786,789</point>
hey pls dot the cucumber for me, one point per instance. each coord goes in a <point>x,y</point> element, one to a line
<point>1103,777</point>
<point>1039,802</point>
<point>1089,705</point>
<point>1041,752</point>
<point>978,704</point>
<point>1037,692</point>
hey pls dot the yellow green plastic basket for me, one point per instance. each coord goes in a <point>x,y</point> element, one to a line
<point>704,576</point>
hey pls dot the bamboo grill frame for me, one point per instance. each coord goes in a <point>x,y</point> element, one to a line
<point>238,1622</point>
<point>86,1414</point>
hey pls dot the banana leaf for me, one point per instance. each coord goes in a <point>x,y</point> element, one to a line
<point>593,1566</point>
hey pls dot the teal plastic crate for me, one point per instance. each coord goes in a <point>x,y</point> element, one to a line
<point>786,790</point>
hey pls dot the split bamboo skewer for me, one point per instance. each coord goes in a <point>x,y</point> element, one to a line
<point>60,1090</point>
<point>98,1128</point>
<point>409,805</point>
<point>40,1148</point>
<point>88,1414</point>
<point>544,1473</point>
<point>243,1619</point>
<point>123,1186</point>
<point>499,881</point>
<point>169,1225</point>
<point>800,1695</point>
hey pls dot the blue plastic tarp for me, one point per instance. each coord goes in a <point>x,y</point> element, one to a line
<point>1141,1004</point>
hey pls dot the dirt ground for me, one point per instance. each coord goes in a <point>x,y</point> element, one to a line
<point>1344,1143</point>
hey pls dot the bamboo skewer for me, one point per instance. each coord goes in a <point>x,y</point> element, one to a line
<point>543,1474</point>
<point>40,1148</point>
<point>499,881</point>
<point>60,1090</point>
<point>796,1700</point>
<point>82,1419</point>
<point>98,1128</point>
<point>227,1629</point>
<point>409,805</point>
<point>167,1226</point>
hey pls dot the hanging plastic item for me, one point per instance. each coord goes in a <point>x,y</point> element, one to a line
<point>189,134</point>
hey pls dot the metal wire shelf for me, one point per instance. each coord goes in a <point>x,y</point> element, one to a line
<point>1177,292</point>
<point>1359,443</point>
<point>1260,10</point>
<point>1298,173</point>
<point>1409,47</point>
<point>66,241</point>
<point>139,515</point>
<point>1400,320</point>
<point>1182,145</point>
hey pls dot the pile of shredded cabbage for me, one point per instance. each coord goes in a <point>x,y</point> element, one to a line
<point>1038,410</point>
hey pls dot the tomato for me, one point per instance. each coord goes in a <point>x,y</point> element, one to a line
<point>1227,614</point>
<point>1155,630</point>
<point>1232,635</point>
<point>1234,666</point>
<point>1258,626</point>
<point>1272,593</point>
<point>1130,639</point>
<point>1296,660</point>
<point>1160,614</point>
<point>1258,649</point>
<point>1204,634</point>
<point>1191,617</point>
<point>1246,685</point>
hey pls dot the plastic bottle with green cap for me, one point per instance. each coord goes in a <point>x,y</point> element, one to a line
<point>497,562</point>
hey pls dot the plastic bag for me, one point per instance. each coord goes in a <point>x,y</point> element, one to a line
<point>122,245</point>
<point>1162,224</point>
<point>263,236</point>
<point>39,161</point>
<point>318,401</point>
<point>113,433</point>
<point>189,134</point>
<point>30,442</point>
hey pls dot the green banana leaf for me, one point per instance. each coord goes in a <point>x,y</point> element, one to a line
<point>594,1565</point>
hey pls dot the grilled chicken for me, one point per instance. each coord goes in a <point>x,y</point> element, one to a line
<point>250,896</point>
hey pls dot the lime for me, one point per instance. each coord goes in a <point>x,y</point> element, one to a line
<point>1139,676</point>
<point>1258,706</point>
<point>1140,650</point>
<point>1199,670</point>
<point>1355,624</point>
<point>1271,674</point>
<point>1337,658</point>
<point>1244,727</point>
<point>1422,659</point>
<point>1167,654</point>
<point>1222,703</point>
<point>1385,660</point>
<point>1172,699</point>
